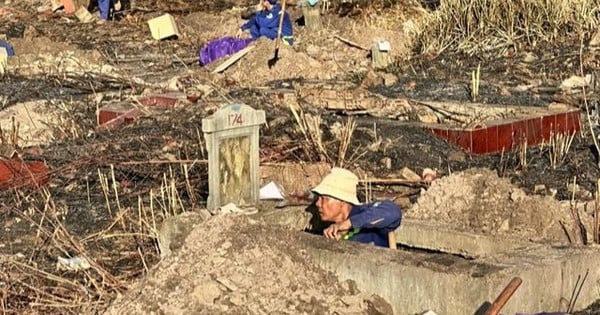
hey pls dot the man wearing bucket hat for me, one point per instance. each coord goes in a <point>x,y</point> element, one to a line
<point>266,23</point>
<point>338,203</point>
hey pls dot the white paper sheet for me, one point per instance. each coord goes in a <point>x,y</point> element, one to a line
<point>270,191</point>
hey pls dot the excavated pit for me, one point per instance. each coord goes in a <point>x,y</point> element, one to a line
<point>434,262</point>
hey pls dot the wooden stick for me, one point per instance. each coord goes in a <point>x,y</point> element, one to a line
<point>232,59</point>
<point>504,296</point>
<point>392,240</point>
<point>349,42</point>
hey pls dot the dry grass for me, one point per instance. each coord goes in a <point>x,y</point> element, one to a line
<point>559,146</point>
<point>480,27</point>
<point>33,283</point>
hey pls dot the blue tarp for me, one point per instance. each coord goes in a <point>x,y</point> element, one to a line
<point>221,47</point>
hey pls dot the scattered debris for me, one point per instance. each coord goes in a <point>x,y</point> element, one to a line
<point>351,43</point>
<point>84,15</point>
<point>271,191</point>
<point>73,264</point>
<point>233,59</point>
<point>164,27</point>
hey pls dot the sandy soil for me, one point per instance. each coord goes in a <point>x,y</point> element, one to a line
<point>233,265</point>
<point>480,201</point>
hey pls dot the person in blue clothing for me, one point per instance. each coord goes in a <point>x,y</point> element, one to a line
<point>104,7</point>
<point>338,203</point>
<point>266,23</point>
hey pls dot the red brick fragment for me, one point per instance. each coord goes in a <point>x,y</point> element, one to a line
<point>17,173</point>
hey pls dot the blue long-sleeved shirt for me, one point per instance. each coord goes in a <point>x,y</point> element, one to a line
<point>372,222</point>
<point>266,23</point>
<point>104,8</point>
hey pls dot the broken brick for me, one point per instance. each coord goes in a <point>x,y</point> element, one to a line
<point>167,100</point>
<point>17,173</point>
<point>112,111</point>
<point>115,115</point>
<point>70,6</point>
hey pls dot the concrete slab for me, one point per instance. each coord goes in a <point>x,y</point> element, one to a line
<point>419,234</point>
<point>413,282</point>
<point>438,237</point>
<point>463,281</point>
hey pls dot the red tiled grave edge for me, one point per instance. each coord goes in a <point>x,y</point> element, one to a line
<point>506,135</point>
<point>115,115</point>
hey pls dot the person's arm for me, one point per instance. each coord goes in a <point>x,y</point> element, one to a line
<point>249,24</point>
<point>379,215</point>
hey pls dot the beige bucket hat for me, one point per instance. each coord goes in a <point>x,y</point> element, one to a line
<point>341,184</point>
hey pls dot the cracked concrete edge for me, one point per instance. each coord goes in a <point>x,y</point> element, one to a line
<point>438,237</point>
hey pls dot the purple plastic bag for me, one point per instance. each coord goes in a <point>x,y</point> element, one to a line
<point>221,47</point>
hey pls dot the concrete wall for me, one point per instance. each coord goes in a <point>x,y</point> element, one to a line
<point>415,282</point>
<point>434,236</point>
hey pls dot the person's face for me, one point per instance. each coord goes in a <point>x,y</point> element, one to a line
<point>266,5</point>
<point>329,208</point>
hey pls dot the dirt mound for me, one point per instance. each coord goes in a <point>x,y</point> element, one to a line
<point>253,69</point>
<point>477,199</point>
<point>237,266</point>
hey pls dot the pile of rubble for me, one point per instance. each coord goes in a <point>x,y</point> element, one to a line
<point>234,265</point>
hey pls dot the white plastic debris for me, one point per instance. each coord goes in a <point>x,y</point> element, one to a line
<point>429,313</point>
<point>73,264</point>
<point>271,191</point>
<point>384,45</point>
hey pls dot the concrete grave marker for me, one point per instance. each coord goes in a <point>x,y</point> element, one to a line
<point>3,60</point>
<point>232,143</point>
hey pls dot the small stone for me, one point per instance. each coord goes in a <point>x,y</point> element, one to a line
<point>228,284</point>
<point>595,40</point>
<point>387,162</point>
<point>456,156</point>
<point>313,51</point>
<point>409,174</point>
<point>572,188</point>
<point>517,195</point>
<point>377,305</point>
<point>237,299</point>
<point>505,91</point>
<point>429,175</point>
<point>206,293</point>
<point>539,189</point>
<point>575,82</point>
<point>505,226</point>
<point>558,106</point>
<point>428,118</point>
<point>226,245</point>
<point>389,79</point>
<point>529,57</point>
